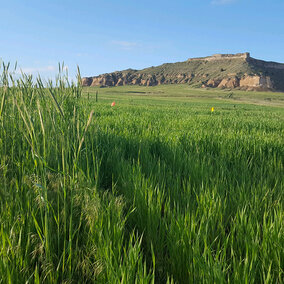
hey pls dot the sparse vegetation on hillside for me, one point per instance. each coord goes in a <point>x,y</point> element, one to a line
<point>236,72</point>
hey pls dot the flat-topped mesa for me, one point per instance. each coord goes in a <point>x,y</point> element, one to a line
<point>231,71</point>
<point>214,57</point>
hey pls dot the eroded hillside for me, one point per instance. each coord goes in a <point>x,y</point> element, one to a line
<point>218,71</point>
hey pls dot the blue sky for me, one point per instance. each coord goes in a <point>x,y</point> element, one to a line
<point>104,36</point>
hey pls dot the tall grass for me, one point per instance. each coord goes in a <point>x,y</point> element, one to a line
<point>136,193</point>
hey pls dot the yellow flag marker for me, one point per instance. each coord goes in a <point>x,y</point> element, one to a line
<point>212,109</point>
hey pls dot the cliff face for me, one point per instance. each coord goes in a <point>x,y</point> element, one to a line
<point>217,71</point>
<point>131,78</point>
<point>246,82</point>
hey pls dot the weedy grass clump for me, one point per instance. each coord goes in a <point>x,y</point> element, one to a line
<point>145,191</point>
<point>56,224</point>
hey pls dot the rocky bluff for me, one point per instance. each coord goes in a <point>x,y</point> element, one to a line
<point>217,71</point>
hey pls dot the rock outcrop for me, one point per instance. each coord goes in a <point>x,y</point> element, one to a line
<point>228,71</point>
<point>229,83</point>
<point>213,83</point>
<point>261,82</point>
<point>215,57</point>
<point>246,82</point>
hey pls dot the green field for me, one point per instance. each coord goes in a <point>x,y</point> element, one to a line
<point>183,93</point>
<point>157,189</point>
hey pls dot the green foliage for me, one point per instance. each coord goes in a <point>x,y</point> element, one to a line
<point>156,189</point>
<point>214,69</point>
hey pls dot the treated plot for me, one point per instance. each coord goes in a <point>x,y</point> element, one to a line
<point>157,188</point>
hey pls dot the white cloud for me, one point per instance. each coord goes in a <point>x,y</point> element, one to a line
<point>33,70</point>
<point>82,54</point>
<point>127,45</point>
<point>40,70</point>
<point>222,2</point>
